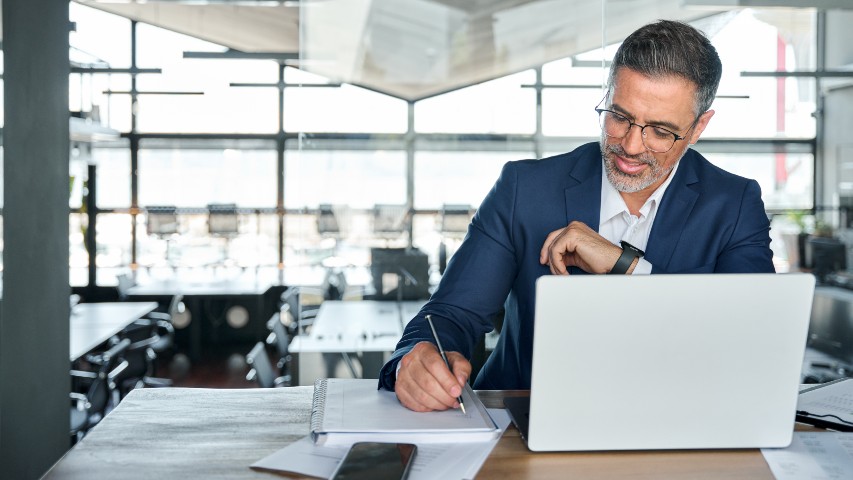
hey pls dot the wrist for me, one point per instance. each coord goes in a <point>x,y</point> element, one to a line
<point>628,259</point>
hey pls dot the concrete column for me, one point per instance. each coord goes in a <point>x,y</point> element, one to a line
<point>34,363</point>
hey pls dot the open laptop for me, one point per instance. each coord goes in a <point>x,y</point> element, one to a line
<point>665,362</point>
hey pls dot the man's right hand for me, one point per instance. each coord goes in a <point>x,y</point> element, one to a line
<point>424,383</point>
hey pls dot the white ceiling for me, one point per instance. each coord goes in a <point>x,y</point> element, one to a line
<point>410,49</point>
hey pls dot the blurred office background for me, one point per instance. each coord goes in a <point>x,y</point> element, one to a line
<point>241,162</point>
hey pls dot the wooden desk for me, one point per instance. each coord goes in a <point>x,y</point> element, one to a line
<point>202,433</point>
<point>93,323</point>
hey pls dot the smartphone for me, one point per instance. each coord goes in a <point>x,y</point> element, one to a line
<point>376,461</point>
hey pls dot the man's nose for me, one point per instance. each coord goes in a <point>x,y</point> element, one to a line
<point>632,143</point>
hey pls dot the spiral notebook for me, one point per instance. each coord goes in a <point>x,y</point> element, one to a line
<point>828,405</point>
<point>353,410</point>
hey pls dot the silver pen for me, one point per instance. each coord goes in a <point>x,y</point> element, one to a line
<point>441,351</point>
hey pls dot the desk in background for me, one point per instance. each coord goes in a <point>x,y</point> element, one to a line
<point>370,328</point>
<point>91,324</point>
<point>203,433</point>
<point>208,303</point>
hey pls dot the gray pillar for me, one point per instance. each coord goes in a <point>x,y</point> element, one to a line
<point>34,364</point>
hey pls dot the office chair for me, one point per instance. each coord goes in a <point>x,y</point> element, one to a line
<point>327,221</point>
<point>223,221</point>
<point>262,370</point>
<point>125,283</point>
<point>89,408</point>
<point>161,322</point>
<point>162,222</point>
<point>390,221</point>
<point>298,318</point>
<point>140,357</point>
<point>280,339</point>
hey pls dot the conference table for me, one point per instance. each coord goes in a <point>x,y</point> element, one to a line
<point>91,324</point>
<point>207,433</point>
<point>368,328</point>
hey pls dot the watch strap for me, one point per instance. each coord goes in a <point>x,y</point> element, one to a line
<point>629,253</point>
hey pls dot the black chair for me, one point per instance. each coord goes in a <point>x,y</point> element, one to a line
<point>298,318</point>
<point>280,339</point>
<point>89,406</point>
<point>262,369</point>
<point>125,283</point>
<point>141,358</point>
<point>161,322</point>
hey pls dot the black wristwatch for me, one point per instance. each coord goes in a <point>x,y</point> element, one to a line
<point>629,253</point>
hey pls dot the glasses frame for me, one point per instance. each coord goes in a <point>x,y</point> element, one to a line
<point>632,124</point>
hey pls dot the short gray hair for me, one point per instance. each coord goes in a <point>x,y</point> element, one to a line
<point>670,48</point>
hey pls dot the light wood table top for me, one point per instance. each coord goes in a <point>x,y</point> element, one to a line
<point>203,433</point>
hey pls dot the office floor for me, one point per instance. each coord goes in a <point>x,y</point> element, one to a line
<point>225,367</point>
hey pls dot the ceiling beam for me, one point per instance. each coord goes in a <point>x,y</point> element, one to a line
<point>819,4</point>
<point>802,74</point>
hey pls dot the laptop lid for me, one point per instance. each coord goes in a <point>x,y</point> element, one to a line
<point>667,361</point>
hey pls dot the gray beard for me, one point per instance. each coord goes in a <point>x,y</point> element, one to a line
<point>624,182</point>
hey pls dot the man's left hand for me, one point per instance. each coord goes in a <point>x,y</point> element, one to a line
<point>577,245</point>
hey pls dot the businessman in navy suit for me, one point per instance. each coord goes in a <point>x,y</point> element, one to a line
<point>639,201</point>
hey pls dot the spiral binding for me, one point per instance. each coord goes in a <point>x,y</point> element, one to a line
<point>318,405</point>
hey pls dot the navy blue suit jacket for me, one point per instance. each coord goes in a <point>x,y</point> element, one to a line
<point>709,220</point>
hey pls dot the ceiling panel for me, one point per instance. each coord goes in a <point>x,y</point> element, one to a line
<point>410,49</point>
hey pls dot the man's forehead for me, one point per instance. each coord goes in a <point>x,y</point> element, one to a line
<point>660,95</point>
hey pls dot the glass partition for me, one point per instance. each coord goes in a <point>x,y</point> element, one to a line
<point>390,105</point>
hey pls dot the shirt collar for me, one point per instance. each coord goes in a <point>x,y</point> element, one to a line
<point>612,203</point>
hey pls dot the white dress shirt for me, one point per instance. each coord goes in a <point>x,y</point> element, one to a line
<point>616,223</point>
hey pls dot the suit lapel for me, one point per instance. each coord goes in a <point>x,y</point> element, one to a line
<point>675,208</point>
<point>583,195</point>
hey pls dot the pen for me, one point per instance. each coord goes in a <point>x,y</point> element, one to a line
<point>441,351</point>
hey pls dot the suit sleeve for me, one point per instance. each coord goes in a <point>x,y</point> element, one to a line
<point>748,249</point>
<point>475,284</point>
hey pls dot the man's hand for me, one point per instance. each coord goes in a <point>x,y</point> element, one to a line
<point>579,246</point>
<point>424,383</point>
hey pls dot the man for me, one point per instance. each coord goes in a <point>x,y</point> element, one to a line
<point>593,210</point>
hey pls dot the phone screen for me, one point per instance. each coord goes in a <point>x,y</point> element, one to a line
<point>376,461</point>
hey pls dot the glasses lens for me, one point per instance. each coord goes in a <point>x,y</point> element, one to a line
<point>658,139</point>
<point>613,124</point>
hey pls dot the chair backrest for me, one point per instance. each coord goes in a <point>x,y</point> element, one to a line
<point>327,221</point>
<point>112,364</point>
<point>262,371</point>
<point>279,337</point>
<point>390,219</point>
<point>139,354</point>
<point>125,283</point>
<point>292,299</point>
<point>175,305</point>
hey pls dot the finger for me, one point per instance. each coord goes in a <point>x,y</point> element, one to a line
<point>461,367</point>
<point>445,378</point>
<point>413,397</point>
<point>425,377</point>
<point>558,251</point>
<point>545,252</point>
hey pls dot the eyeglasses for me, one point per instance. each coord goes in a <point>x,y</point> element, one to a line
<point>658,140</point>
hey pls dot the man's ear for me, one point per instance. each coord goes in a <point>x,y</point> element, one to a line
<point>700,126</point>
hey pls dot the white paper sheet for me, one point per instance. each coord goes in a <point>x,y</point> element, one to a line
<point>813,456</point>
<point>445,461</point>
